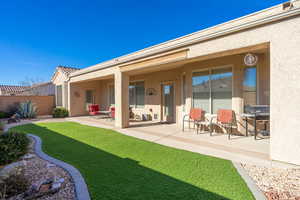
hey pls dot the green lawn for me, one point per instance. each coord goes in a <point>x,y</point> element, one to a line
<point>116,166</point>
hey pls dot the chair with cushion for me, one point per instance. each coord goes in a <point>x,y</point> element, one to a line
<point>112,112</point>
<point>225,119</point>
<point>197,117</point>
<point>94,109</point>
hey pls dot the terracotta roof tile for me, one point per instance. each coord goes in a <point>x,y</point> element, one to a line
<point>67,70</point>
<point>12,89</point>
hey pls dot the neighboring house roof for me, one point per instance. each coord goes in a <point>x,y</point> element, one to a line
<point>11,89</point>
<point>40,89</point>
<point>67,70</point>
<point>64,70</point>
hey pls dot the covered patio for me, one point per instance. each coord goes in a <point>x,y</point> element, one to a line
<point>239,148</point>
<point>154,95</point>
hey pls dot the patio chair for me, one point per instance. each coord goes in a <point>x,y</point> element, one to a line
<point>94,109</point>
<point>225,119</point>
<point>197,117</point>
<point>112,112</point>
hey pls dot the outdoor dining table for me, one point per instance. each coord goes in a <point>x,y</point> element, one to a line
<point>254,115</point>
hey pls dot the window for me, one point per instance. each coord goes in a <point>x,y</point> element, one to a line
<point>137,94</point>
<point>111,94</point>
<point>249,86</point>
<point>89,97</point>
<point>183,92</point>
<point>201,90</point>
<point>212,89</point>
<point>221,89</point>
<point>59,95</point>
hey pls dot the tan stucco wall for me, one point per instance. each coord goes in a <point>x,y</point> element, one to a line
<point>77,105</point>
<point>284,61</point>
<point>44,104</point>
<point>285,95</point>
<point>104,73</point>
<point>154,80</point>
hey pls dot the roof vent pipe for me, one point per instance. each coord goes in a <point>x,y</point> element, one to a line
<point>287,5</point>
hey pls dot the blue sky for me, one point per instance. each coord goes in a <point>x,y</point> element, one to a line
<point>36,36</point>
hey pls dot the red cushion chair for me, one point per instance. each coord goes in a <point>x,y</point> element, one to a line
<point>196,116</point>
<point>226,119</point>
<point>94,109</point>
<point>112,112</point>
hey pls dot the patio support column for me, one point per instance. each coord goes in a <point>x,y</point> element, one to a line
<point>70,98</point>
<point>121,99</point>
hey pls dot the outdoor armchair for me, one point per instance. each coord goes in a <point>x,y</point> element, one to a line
<point>225,119</point>
<point>196,116</point>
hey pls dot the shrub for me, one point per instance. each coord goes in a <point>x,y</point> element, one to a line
<point>1,127</point>
<point>13,185</point>
<point>27,109</point>
<point>13,145</point>
<point>12,109</point>
<point>60,113</point>
<point>3,115</point>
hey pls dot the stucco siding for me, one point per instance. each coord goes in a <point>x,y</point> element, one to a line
<point>285,95</point>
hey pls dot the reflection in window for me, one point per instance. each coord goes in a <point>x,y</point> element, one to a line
<point>137,94</point>
<point>249,86</point>
<point>221,89</point>
<point>201,90</point>
<point>212,90</point>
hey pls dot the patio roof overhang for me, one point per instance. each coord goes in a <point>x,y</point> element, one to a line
<point>181,57</point>
<point>267,16</point>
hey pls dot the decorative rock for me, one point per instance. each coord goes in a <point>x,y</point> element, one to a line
<point>28,156</point>
<point>49,165</point>
<point>56,186</point>
<point>61,180</point>
<point>276,183</point>
<point>44,184</point>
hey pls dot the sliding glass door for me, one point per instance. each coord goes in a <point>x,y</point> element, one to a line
<point>201,90</point>
<point>221,89</point>
<point>212,89</point>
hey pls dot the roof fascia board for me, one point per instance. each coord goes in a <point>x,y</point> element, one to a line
<point>264,20</point>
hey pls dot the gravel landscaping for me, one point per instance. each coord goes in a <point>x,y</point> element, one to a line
<point>37,170</point>
<point>276,183</point>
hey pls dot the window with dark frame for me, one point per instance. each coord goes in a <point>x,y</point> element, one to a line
<point>59,95</point>
<point>250,86</point>
<point>183,92</point>
<point>212,89</point>
<point>137,94</point>
<point>89,97</point>
<point>111,95</point>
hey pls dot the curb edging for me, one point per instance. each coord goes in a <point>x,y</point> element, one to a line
<point>81,189</point>
<point>257,193</point>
